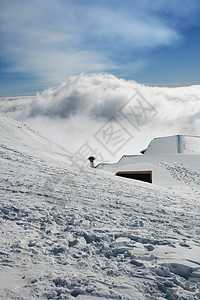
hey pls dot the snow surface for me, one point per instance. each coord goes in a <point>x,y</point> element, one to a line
<point>68,231</point>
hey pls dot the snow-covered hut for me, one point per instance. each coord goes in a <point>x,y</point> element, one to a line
<point>170,150</point>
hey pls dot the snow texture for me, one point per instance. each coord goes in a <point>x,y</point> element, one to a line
<point>68,231</point>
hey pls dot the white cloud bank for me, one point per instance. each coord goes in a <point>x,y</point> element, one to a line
<point>75,112</point>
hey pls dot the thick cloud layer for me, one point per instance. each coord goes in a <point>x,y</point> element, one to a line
<point>102,96</point>
<point>82,108</point>
<point>98,96</point>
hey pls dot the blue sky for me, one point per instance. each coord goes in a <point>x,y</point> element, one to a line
<point>43,43</point>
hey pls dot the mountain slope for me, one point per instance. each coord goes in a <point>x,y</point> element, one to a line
<point>70,231</point>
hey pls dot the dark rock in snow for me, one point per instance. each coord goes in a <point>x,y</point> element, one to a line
<point>60,282</point>
<point>59,221</point>
<point>5,211</point>
<point>72,243</point>
<point>90,237</point>
<point>31,244</point>
<point>58,250</point>
<point>34,281</point>
<point>50,295</point>
<point>136,263</point>
<point>149,247</point>
<point>184,245</point>
<point>76,292</point>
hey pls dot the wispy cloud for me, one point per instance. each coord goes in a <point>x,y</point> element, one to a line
<point>136,29</point>
<point>53,40</point>
<point>49,53</point>
<point>56,39</point>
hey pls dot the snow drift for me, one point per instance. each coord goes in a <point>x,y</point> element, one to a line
<point>69,231</point>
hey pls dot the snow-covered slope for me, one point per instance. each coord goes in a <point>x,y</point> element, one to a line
<point>19,137</point>
<point>68,231</point>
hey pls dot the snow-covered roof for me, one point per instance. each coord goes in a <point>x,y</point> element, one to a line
<point>175,144</point>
